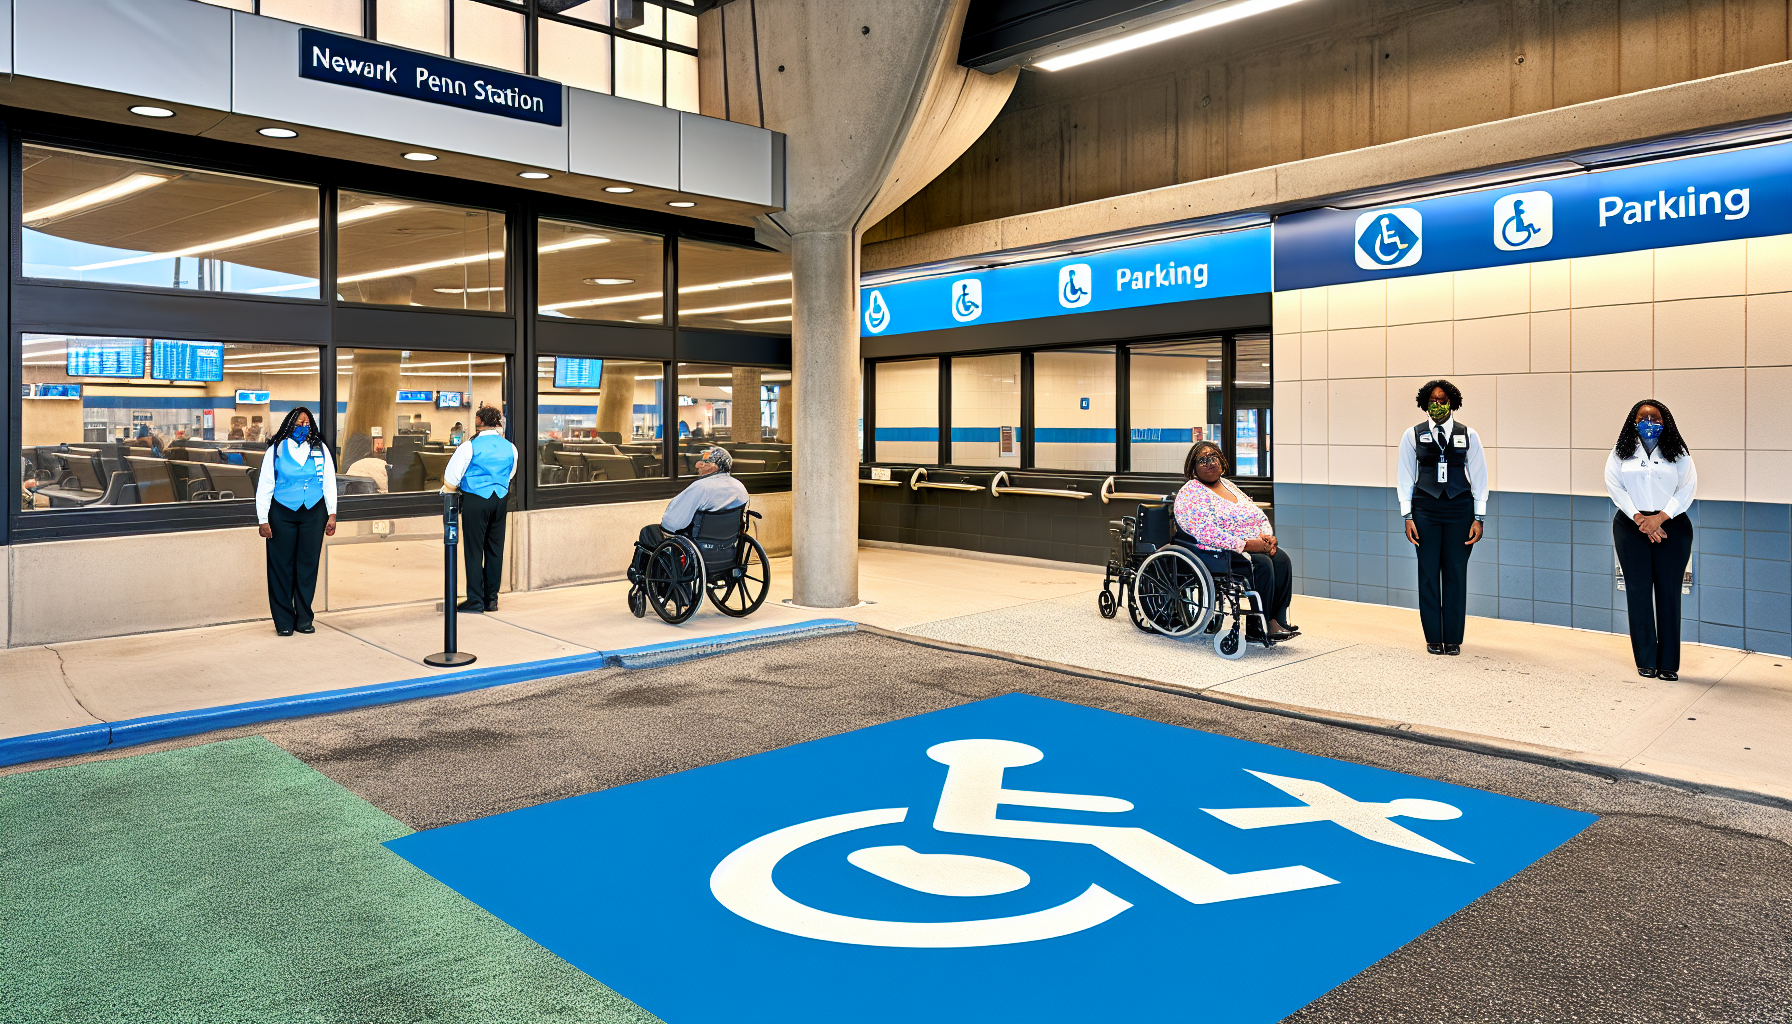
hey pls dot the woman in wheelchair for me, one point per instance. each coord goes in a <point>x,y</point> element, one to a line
<point>1217,516</point>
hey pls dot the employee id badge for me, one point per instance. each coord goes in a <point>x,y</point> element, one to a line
<point>1462,440</point>
<point>1443,472</point>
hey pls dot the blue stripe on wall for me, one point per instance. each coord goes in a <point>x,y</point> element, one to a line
<point>1162,435</point>
<point>988,434</point>
<point>1073,435</point>
<point>908,434</point>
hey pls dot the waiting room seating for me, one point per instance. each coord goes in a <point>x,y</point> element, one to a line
<point>435,463</point>
<point>155,481</point>
<point>231,481</point>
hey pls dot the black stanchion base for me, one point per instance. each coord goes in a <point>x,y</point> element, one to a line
<point>449,659</point>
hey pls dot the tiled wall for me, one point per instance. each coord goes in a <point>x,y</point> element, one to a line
<point>908,411</point>
<point>1170,400</point>
<point>1548,558</point>
<point>1067,436</point>
<point>985,398</point>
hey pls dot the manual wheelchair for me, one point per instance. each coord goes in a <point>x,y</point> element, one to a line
<point>716,555</point>
<point>1172,587</point>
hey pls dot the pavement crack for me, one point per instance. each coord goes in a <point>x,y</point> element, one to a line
<point>62,670</point>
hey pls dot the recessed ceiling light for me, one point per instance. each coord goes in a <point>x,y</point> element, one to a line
<point>277,133</point>
<point>682,204</point>
<point>609,280</point>
<point>420,157</point>
<point>618,189</point>
<point>534,175</point>
<point>152,111</point>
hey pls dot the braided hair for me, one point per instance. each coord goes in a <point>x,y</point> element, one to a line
<point>1671,445</point>
<point>1194,455</point>
<point>315,438</point>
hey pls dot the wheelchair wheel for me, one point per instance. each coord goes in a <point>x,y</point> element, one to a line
<point>1139,621</point>
<point>675,579</point>
<point>1104,603</point>
<point>742,590</point>
<point>1174,592</point>
<point>1229,643</point>
<point>637,601</point>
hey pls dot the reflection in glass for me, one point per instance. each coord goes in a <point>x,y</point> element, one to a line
<point>639,74</point>
<point>597,12</point>
<point>1176,401</point>
<point>336,15</point>
<point>577,56</point>
<point>908,412</point>
<point>986,410</point>
<point>610,432</point>
<point>681,81</point>
<point>103,442</point>
<point>594,273</point>
<point>404,412</point>
<point>108,220</point>
<point>729,288</point>
<point>1073,409</point>
<point>1252,433</point>
<point>418,24</point>
<point>398,252</point>
<point>489,35</point>
<point>737,408</point>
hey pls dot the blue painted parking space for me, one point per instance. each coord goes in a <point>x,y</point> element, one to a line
<point>1012,859</point>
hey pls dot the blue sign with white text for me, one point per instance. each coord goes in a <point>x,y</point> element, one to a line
<point>1742,194</point>
<point>1013,859</point>
<point>361,64</point>
<point>1209,266</point>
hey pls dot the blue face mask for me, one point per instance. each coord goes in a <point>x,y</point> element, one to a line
<point>1649,430</point>
<point>300,431</point>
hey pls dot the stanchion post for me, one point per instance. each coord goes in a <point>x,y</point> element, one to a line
<point>449,657</point>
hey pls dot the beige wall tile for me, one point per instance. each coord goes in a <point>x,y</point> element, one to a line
<point>1360,304</point>
<point>1357,353</point>
<point>1357,408</point>
<point>1721,476</point>
<point>1600,402</point>
<point>1549,341</point>
<point>1358,466</point>
<point>1612,337</point>
<point>1424,350</point>
<point>1312,356</point>
<point>1534,412</point>
<point>1284,352</point>
<point>1492,455</point>
<point>1498,344</point>
<point>1312,309</point>
<point>1288,462</point>
<point>1480,406</point>
<point>1586,470</point>
<point>1694,271</point>
<point>1285,312</point>
<point>1612,280</point>
<point>1549,285</point>
<point>1313,469</point>
<point>1770,264</point>
<point>1493,291</point>
<point>1403,411</point>
<point>1312,411</point>
<point>1770,329</point>
<point>1768,477</point>
<point>1769,396</point>
<point>1422,299</point>
<point>1392,462</point>
<point>1537,470</point>
<point>1704,404</point>
<point>1701,332</point>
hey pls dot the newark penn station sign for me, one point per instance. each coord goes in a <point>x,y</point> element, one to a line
<point>360,64</point>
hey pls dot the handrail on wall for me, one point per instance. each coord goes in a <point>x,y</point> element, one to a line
<point>1108,493</point>
<point>997,490</point>
<point>918,480</point>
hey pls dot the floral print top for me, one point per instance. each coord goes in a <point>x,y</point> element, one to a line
<point>1215,523</point>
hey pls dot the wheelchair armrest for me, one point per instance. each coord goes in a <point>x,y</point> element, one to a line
<point>754,514</point>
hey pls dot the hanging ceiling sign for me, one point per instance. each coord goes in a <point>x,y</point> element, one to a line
<point>1742,194</point>
<point>1209,266</point>
<point>360,64</point>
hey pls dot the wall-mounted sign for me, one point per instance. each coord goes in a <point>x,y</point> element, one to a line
<point>105,357</point>
<point>416,396</point>
<point>52,391</point>
<point>1742,194</point>
<point>450,399</point>
<point>360,64</point>
<point>571,372</point>
<point>252,397</point>
<point>1233,263</point>
<point>187,360</point>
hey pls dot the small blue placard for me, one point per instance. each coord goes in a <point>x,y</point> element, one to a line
<point>361,64</point>
<point>416,396</point>
<point>1014,859</point>
<point>246,397</point>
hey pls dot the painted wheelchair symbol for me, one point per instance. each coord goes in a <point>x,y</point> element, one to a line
<point>969,800</point>
<point>1387,237</point>
<point>1517,224</point>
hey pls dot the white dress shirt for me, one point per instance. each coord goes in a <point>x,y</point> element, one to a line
<point>1476,467</point>
<point>1646,482</point>
<point>463,457</point>
<point>264,481</point>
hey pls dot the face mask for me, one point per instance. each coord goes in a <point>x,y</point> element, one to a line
<point>1439,411</point>
<point>300,432</point>
<point>1649,430</point>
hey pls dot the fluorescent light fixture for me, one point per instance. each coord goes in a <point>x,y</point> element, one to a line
<point>641,296</point>
<point>466,291</point>
<point>104,194</point>
<point>726,309</point>
<point>421,158</point>
<point>277,133</point>
<point>766,320</point>
<point>152,111</point>
<point>1211,17</point>
<point>534,175</point>
<point>415,268</point>
<point>253,237</point>
<point>618,189</point>
<point>682,204</point>
<point>609,280</point>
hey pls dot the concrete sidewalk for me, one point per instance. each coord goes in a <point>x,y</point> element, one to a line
<point>1542,691</point>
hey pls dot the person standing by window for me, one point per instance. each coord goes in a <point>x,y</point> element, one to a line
<point>481,468</point>
<point>1443,495</point>
<point>295,502</point>
<point>1650,477</point>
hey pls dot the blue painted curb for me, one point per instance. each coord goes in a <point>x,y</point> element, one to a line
<point>87,739</point>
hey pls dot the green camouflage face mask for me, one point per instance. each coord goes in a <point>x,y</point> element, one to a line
<point>1439,411</point>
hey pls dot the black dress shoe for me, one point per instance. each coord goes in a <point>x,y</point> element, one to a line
<point>491,606</point>
<point>1669,676</point>
<point>284,632</point>
<point>1452,649</point>
<point>306,628</point>
<point>1647,673</point>
<point>470,605</point>
<point>1435,648</point>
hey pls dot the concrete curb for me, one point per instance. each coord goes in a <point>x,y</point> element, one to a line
<point>89,739</point>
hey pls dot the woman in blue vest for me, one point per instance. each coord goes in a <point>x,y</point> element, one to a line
<point>295,501</point>
<point>482,468</point>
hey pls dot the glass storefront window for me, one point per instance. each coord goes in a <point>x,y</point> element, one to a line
<point>640,74</point>
<point>907,425</point>
<point>735,407</point>
<point>580,57</point>
<point>728,288</point>
<point>1176,401</point>
<point>418,24</point>
<point>1251,413</point>
<point>599,419</point>
<point>986,410</point>
<point>401,414</point>
<point>107,220</point>
<point>400,252</point>
<point>490,35</point>
<point>681,81</point>
<point>342,16</point>
<point>1073,409</point>
<point>111,422</point>
<point>596,273</point>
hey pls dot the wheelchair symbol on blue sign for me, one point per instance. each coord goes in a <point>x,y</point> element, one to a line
<point>877,313</point>
<point>967,300</point>
<point>1524,220</point>
<point>1076,285</point>
<point>1386,239</point>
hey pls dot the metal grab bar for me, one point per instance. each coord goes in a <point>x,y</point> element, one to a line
<point>997,490</point>
<point>918,480</point>
<point>880,483</point>
<point>1108,493</point>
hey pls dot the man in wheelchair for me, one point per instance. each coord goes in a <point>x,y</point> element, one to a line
<point>658,571</point>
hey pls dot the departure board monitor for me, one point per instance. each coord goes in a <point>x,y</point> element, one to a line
<point>578,373</point>
<point>187,360</point>
<point>105,357</point>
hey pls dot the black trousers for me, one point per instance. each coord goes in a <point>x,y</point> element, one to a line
<point>1272,577</point>
<point>1652,575</point>
<point>293,553</point>
<point>482,545</point>
<point>1443,525</point>
<point>652,535</point>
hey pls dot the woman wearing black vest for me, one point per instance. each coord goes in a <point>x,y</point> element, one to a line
<point>1443,495</point>
<point>1651,479</point>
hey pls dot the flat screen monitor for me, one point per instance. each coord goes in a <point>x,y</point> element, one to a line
<point>416,396</point>
<point>578,373</point>
<point>450,399</point>
<point>187,360</point>
<point>55,391</point>
<point>252,397</point>
<point>105,357</point>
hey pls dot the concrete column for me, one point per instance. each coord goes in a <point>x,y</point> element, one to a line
<point>786,392</point>
<point>825,357</point>
<point>616,398</point>
<point>374,380</point>
<point>743,411</point>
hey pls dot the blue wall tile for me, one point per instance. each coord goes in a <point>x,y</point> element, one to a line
<point>1343,591</point>
<point>1594,558</point>
<point>1720,605</point>
<point>1287,536</point>
<point>1343,568</point>
<point>1593,618</point>
<point>1719,542</point>
<point>1483,578</point>
<point>1342,496</point>
<point>1517,552</point>
<point>1371,542</point>
<point>1767,610</point>
<point>1342,540</point>
<point>1513,608</point>
<point>1689,631</point>
<point>1343,518</point>
<point>1513,503</point>
<point>1758,515</point>
<point>1371,595</point>
<point>1592,533</point>
<point>1720,634</point>
<point>1760,574</point>
<point>1556,585</point>
<point>1485,550</point>
<point>1553,556</point>
<point>1592,590</point>
<point>1403,598</point>
<point>1552,614</point>
<point>1484,605</point>
<point>1315,538</point>
<point>1720,515</point>
<point>1372,570</point>
<point>1768,642</point>
<point>1552,506</point>
<point>1720,571</point>
<point>1552,531</point>
<point>1370,497</point>
<point>1761,544</point>
<point>1515,581</point>
<point>1287,494</point>
<point>1512,527</point>
<point>1588,508</point>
